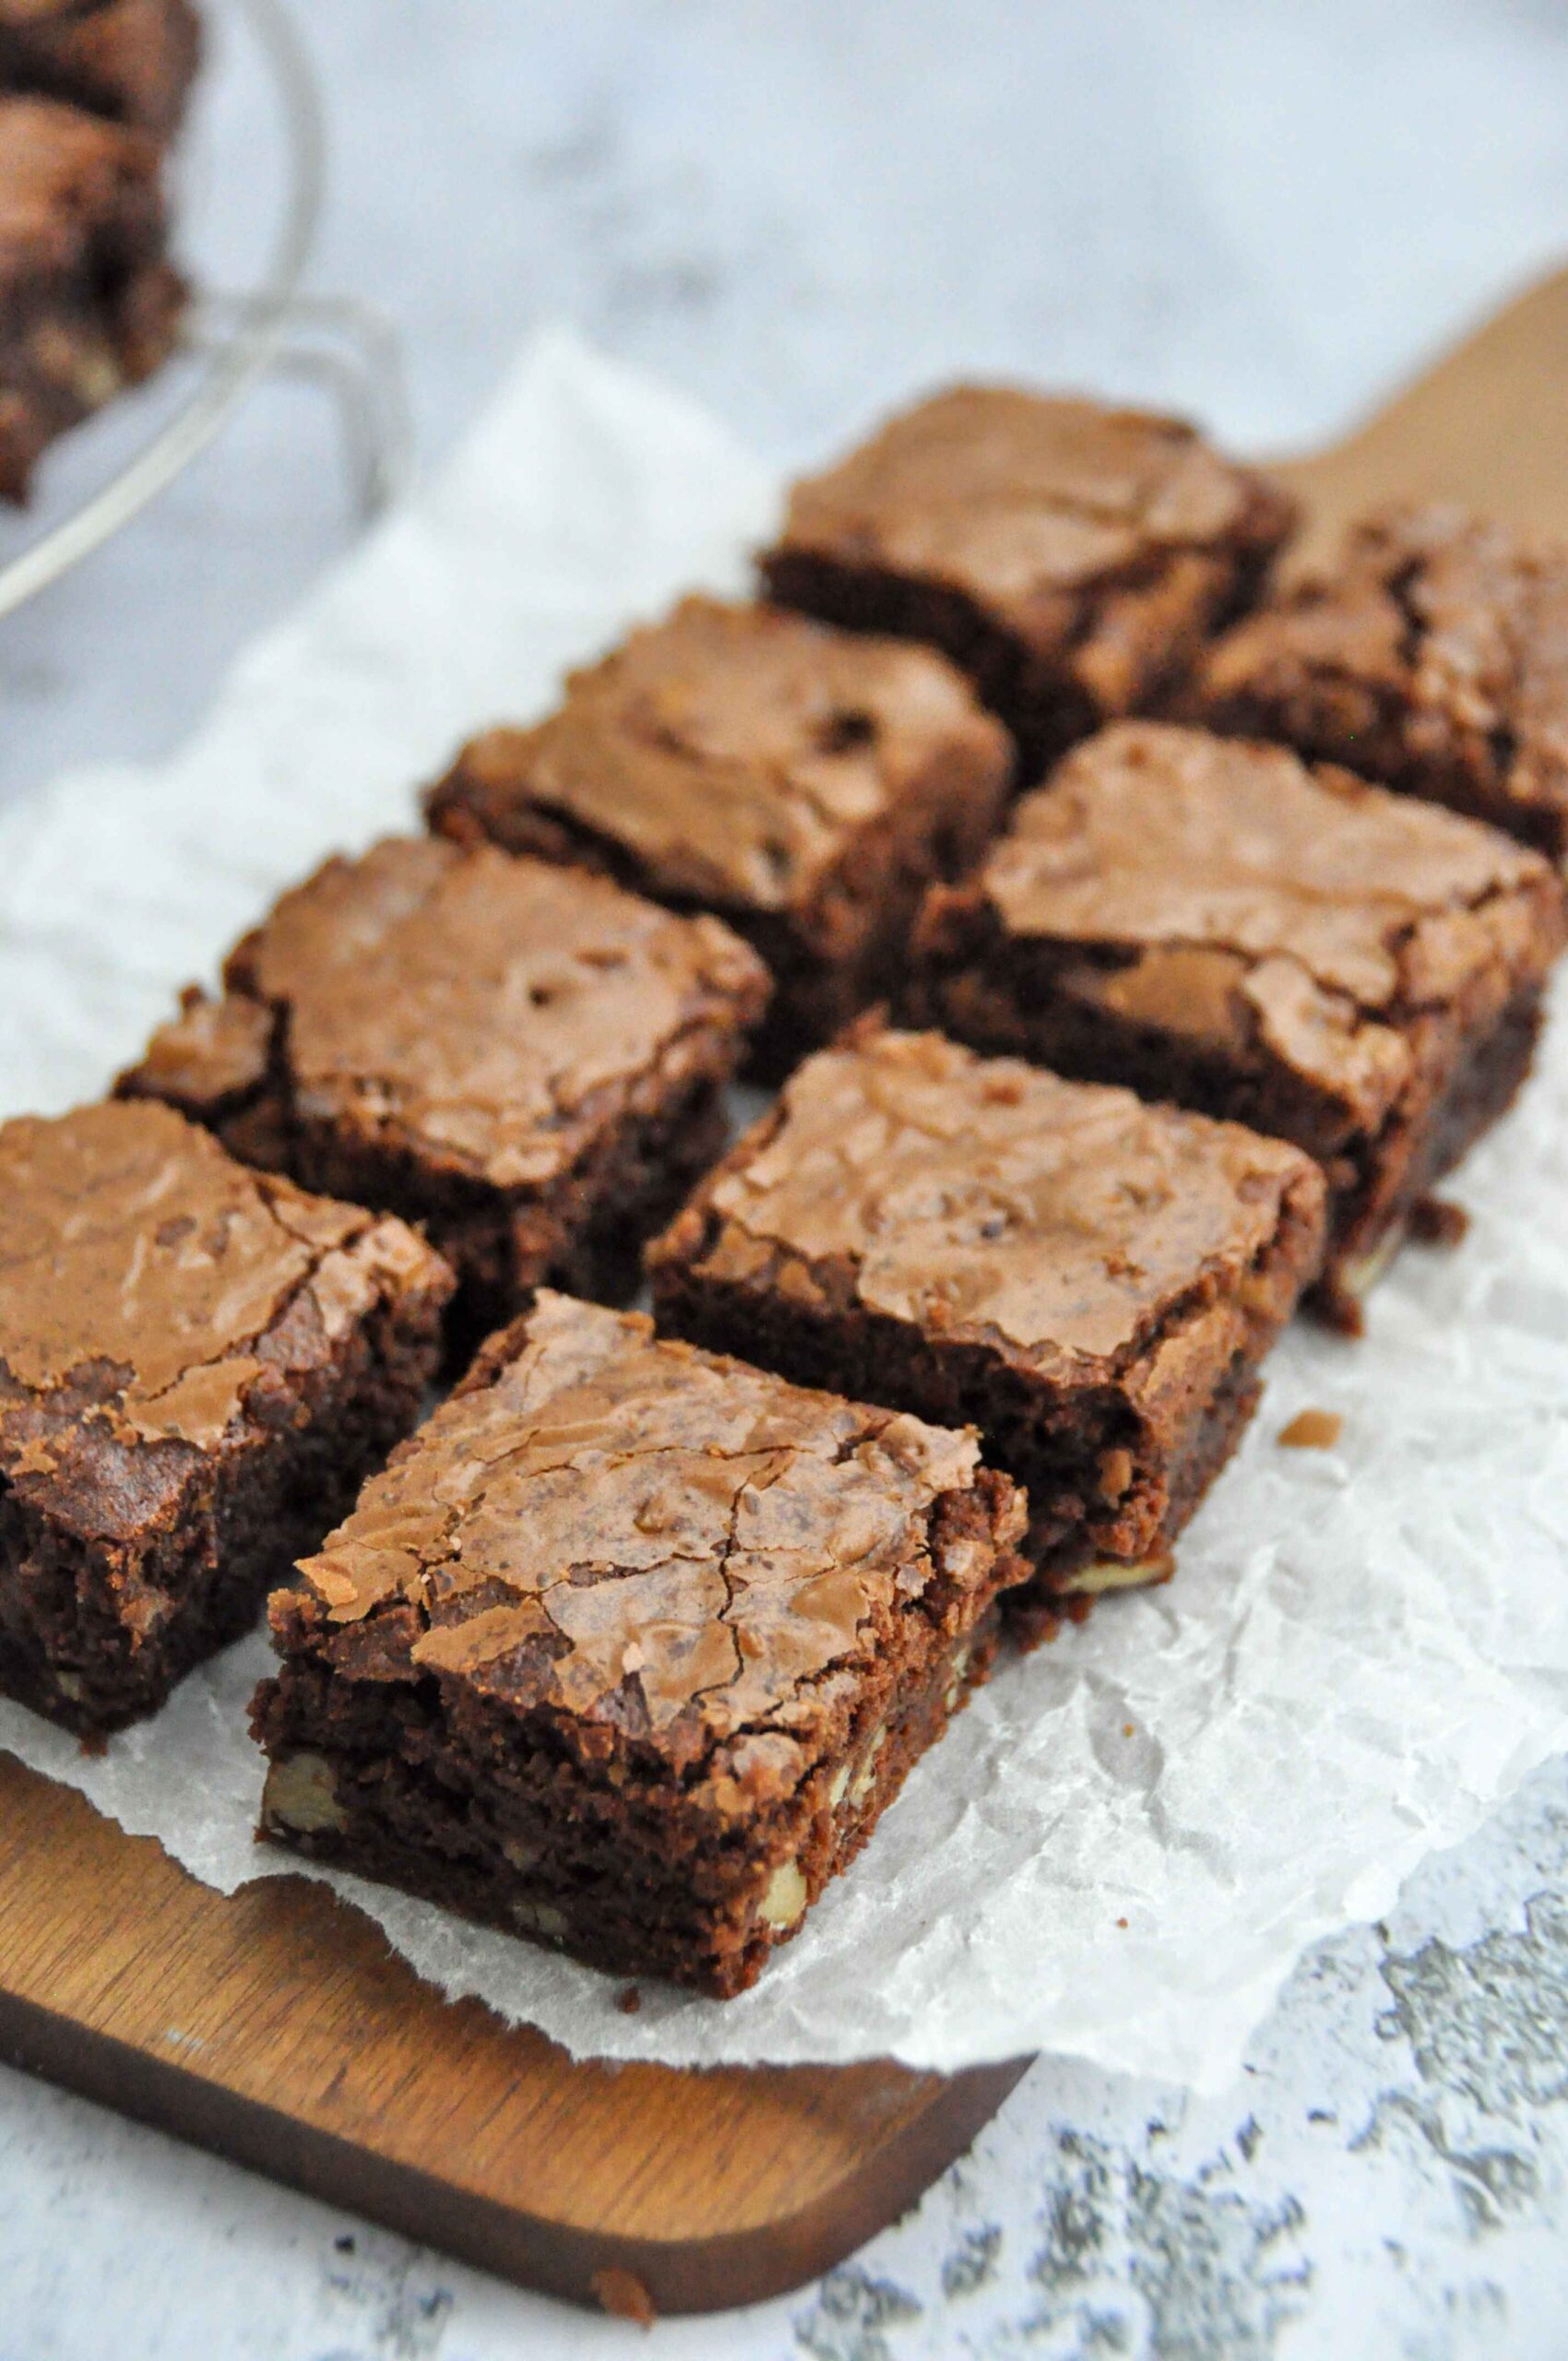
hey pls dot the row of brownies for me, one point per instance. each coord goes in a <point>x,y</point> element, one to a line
<point>1083,1089</point>
<point>92,94</point>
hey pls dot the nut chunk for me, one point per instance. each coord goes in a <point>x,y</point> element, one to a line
<point>527,1060</point>
<point>89,300</point>
<point>1211,921</point>
<point>1432,657</point>
<point>631,1645</point>
<point>1093,1281</point>
<point>1071,557</point>
<point>807,784</point>
<point>197,1366</point>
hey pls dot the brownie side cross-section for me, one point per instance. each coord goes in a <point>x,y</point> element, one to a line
<point>631,1645</point>
<point>89,300</point>
<point>525,1059</point>
<point>1433,657</point>
<point>1092,1282</point>
<point>807,784</point>
<point>1208,920</point>
<point>197,1366</point>
<point>1071,557</point>
<point>131,60</point>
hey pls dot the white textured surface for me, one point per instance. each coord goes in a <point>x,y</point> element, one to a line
<point>1257,209</point>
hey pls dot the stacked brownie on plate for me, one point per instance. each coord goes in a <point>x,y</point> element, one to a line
<point>91,92</point>
<point>1084,1090</point>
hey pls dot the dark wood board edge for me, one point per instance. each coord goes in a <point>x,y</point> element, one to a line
<point>681,2275</point>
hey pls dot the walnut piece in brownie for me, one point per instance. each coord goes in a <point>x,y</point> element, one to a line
<point>808,784</point>
<point>197,1366</point>
<point>1210,921</point>
<point>89,300</point>
<point>1071,557</point>
<point>1092,1281</point>
<point>525,1059</point>
<point>630,1646</point>
<point>1433,657</point>
<point>131,60</point>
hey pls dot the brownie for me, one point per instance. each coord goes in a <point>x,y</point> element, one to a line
<point>1432,657</point>
<point>1071,557</point>
<point>1212,921</point>
<point>197,1366</point>
<point>629,1648</point>
<point>807,783</point>
<point>1091,1281</point>
<point>525,1059</point>
<point>131,60</point>
<point>89,300</point>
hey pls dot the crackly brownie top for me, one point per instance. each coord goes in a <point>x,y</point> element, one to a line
<point>1013,497</point>
<point>154,1292</point>
<point>986,1201</point>
<point>648,1536</point>
<point>733,750</point>
<point>63,178</point>
<point>1241,893</point>
<point>483,1011</point>
<point>1461,625</point>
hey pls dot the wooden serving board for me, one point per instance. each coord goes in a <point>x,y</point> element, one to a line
<point>277,2026</point>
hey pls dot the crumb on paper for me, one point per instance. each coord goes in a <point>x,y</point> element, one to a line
<point>622,2294</point>
<point>1121,1922</point>
<point>1435,1221</point>
<point>629,2001</point>
<point>1313,1431</point>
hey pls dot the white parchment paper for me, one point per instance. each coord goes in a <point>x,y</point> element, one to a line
<point>1123,1845</point>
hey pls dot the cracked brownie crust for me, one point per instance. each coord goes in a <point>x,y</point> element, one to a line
<point>525,1059</point>
<point>1209,921</point>
<point>197,1364</point>
<point>131,60</point>
<point>1434,658</point>
<point>629,1647</point>
<point>807,784</point>
<point>1071,557</point>
<point>1092,1281</point>
<point>89,300</point>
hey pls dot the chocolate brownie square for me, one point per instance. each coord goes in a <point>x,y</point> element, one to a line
<point>524,1059</point>
<point>1433,657</point>
<point>197,1366</point>
<point>89,300</point>
<point>131,60</point>
<point>1073,558</point>
<point>806,783</point>
<point>1212,921</point>
<point>1092,1281</point>
<point>630,1647</point>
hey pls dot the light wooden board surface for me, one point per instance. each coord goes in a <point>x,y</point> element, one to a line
<point>276,2026</point>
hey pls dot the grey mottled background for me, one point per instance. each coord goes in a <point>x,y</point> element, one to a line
<point>1255,210</point>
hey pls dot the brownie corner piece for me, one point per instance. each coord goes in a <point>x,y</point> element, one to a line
<point>89,300</point>
<point>1211,920</point>
<point>1071,556</point>
<point>197,1365</point>
<point>630,1646</point>
<point>1092,1281</point>
<point>133,61</point>
<point>805,783</point>
<point>526,1059</point>
<point>1432,656</point>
